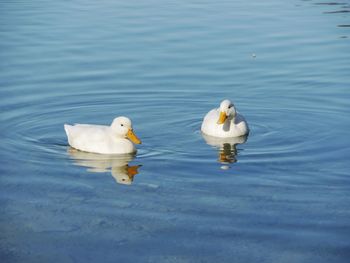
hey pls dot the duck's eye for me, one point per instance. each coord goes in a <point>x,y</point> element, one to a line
<point>121,124</point>
<point>230,106</point>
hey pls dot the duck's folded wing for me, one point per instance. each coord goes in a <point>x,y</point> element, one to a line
<point>84,134</point>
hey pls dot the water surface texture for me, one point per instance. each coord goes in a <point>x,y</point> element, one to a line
<point>280,195</point>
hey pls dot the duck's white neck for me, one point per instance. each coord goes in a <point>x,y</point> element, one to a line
<point>231,118</point>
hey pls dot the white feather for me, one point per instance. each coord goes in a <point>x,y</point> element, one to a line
<point>234,126</point>
<point>99,138</point>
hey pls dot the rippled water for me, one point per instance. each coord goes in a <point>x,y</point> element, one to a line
<point>280,195</point>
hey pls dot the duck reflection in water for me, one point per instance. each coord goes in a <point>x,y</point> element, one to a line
<point>227,147</point>
<point>118,165</point>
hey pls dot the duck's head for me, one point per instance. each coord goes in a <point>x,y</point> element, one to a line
<point>227,109</point>
<point>122,127</point>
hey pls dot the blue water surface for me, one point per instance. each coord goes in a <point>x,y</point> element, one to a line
<point>280,195</point>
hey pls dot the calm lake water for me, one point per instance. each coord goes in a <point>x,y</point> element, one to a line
<point>280,196</point>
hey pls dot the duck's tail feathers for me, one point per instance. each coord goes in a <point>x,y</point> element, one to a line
<point>66,128</point>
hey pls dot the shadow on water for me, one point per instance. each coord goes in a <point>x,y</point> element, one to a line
<point>118,165</point>
<point>227,148</point>
<point>340,9</point>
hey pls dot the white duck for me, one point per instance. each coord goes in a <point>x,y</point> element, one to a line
<point>224,122</point>
<point>103,139</point>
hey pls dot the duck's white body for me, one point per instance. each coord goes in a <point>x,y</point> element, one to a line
<point>219,143</point>
<point>101,139</point>
<point>233,124</point>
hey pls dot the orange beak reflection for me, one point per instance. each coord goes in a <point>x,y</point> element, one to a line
<point>226,158</point>
<point>132,137</point>
<point>222,118</point>
<point>132,170</point>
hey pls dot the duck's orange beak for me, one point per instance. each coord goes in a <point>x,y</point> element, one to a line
<point>222,118</point>
<point>132,137</point>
